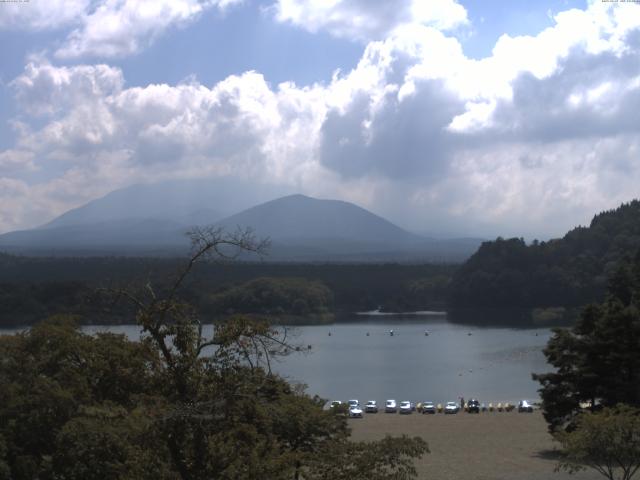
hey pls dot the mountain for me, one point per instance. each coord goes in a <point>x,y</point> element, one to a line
<point>309,229</point>
<point>567,272</point>
<point>301,228</point>
<point>299,218</point>
<point>186,202</point>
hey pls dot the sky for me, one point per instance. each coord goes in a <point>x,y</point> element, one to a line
<point>449,118</point>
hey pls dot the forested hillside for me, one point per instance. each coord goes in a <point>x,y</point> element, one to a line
<point>571,271</point>
<point>33,288</point>
<point>296,299</point>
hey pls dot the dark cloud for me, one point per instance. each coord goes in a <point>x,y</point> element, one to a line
<point>587,96</point>
<point>400,139</point>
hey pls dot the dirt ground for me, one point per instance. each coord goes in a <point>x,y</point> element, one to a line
<point>485,446</point>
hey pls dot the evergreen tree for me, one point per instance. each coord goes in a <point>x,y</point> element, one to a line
<point>597,361</point>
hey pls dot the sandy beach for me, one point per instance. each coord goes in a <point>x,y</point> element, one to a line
<point>486,446</point>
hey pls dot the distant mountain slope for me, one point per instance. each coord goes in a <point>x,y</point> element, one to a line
<point>186,202</point>
<point>301,219</point>
<point>300,228</point>
<point>130,236</point>
<point>570,271</point>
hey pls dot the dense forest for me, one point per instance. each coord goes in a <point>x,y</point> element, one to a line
<point>292,300</point>
<point>568,272</point>
<point>32,288</point>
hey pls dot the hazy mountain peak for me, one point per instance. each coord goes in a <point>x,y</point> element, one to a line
<point>188,202</point>
<point>300,216</point>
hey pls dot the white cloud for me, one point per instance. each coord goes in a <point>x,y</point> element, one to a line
<point>369,19</point>
<point>45,90</point>
<point>535,136</point>
<point>105,28</point>
<point>42,15</point>
<point>14,162</point>
<point>117,28</point>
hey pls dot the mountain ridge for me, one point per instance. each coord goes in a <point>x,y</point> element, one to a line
<point>301,228</point>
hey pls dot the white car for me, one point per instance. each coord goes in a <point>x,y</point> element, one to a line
<point>390,406</point>
<point>525,406</point>
<point>428,407</point>
<point>406,407</point>
<point>355,412</point>
<point>354,403</point>
<point>335,403</point>
<point>371,406</point>
<point>451,407</point>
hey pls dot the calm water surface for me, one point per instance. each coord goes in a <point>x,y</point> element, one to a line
<point>490,363</point>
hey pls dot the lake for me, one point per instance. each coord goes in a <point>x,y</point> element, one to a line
<point>490,363</point>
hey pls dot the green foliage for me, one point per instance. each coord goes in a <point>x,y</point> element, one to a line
<point>274,296</point>
<point>49,374</point>
<point>567,272</point>
<point>598,360</point>
<point>5,471</point>
<point>33,288</point>
<point>108,442</point>
<point>381,460</point>
<point>607,441</point>
<point>176,404</point>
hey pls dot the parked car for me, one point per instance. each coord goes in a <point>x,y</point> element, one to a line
<point>335,403</point>
<point>371,407</point>
<point>524,406</point>
<point>355,412</point>
<point>428,407</point>
<point>353,403</point>
<point>451,407</point>
<point>473,406</point>
<point>390,406</point>
<point>406,407</point>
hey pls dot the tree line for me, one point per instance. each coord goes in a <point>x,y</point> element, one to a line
<point>571,271</point>
<point>33,288</point>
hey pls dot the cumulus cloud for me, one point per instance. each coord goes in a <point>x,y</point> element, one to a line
<point>538,134</point>
<point>45,90</point>
<point>369,19</point>
<point>105,28</point>
<point>117,28</point>
<point>48,15</point>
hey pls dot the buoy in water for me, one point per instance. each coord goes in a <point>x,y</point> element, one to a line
<point>367,334</point>
<point>391,332</point>
<point>329,333</point>
<point>426,333</point>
